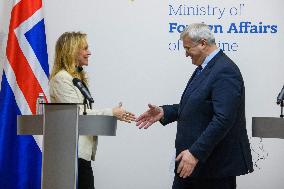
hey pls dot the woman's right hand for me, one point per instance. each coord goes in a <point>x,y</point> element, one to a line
<point>121,114</point>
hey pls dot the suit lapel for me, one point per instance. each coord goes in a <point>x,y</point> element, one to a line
<point>195,82</point>
<point>188,83</point>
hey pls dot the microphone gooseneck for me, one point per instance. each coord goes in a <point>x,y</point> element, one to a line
<point>84,90</point>
<point>280,96</point>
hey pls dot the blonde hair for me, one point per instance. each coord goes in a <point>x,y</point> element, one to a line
<point>66,51</point>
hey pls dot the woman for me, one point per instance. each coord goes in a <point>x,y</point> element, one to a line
<point>71,54</point>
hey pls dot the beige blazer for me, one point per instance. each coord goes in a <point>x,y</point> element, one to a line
<point>62,90</point>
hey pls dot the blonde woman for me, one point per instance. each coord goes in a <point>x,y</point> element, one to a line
<point>71,54</point>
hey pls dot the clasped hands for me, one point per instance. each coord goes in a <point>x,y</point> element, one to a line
<point>144,121</point>
<point>187,161</point>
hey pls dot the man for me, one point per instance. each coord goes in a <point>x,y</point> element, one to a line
<point>212,145</point>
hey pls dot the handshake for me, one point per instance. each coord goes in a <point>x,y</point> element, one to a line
<point>145,120</point>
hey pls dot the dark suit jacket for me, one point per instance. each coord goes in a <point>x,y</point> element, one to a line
<point>211,120</point>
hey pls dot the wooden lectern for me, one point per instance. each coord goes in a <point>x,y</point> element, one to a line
<point>60,126</point>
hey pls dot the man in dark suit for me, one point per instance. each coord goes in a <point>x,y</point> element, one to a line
<point>212,145</point>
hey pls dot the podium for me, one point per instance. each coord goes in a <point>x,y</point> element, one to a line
<point>60,126</point>
<point>268,127</point>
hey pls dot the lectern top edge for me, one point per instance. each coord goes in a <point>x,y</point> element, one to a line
<point>62,103</point>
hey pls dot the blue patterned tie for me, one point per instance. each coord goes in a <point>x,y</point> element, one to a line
<point>196,73</point>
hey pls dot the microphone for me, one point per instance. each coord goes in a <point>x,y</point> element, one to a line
<point>84,90</point>
<point>280,96</point>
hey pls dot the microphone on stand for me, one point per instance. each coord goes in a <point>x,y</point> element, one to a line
<point>85,92</point>
<point>280,96</point>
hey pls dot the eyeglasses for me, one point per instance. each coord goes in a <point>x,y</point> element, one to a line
<point>190,47</point>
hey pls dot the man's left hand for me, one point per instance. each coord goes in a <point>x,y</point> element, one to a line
<point>187,163</point>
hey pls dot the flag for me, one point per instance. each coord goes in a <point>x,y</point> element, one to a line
<point>25,75</point>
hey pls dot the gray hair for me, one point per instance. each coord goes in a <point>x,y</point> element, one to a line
<point>198,31</point>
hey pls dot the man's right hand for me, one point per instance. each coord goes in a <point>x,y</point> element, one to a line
<point>153,114</point>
